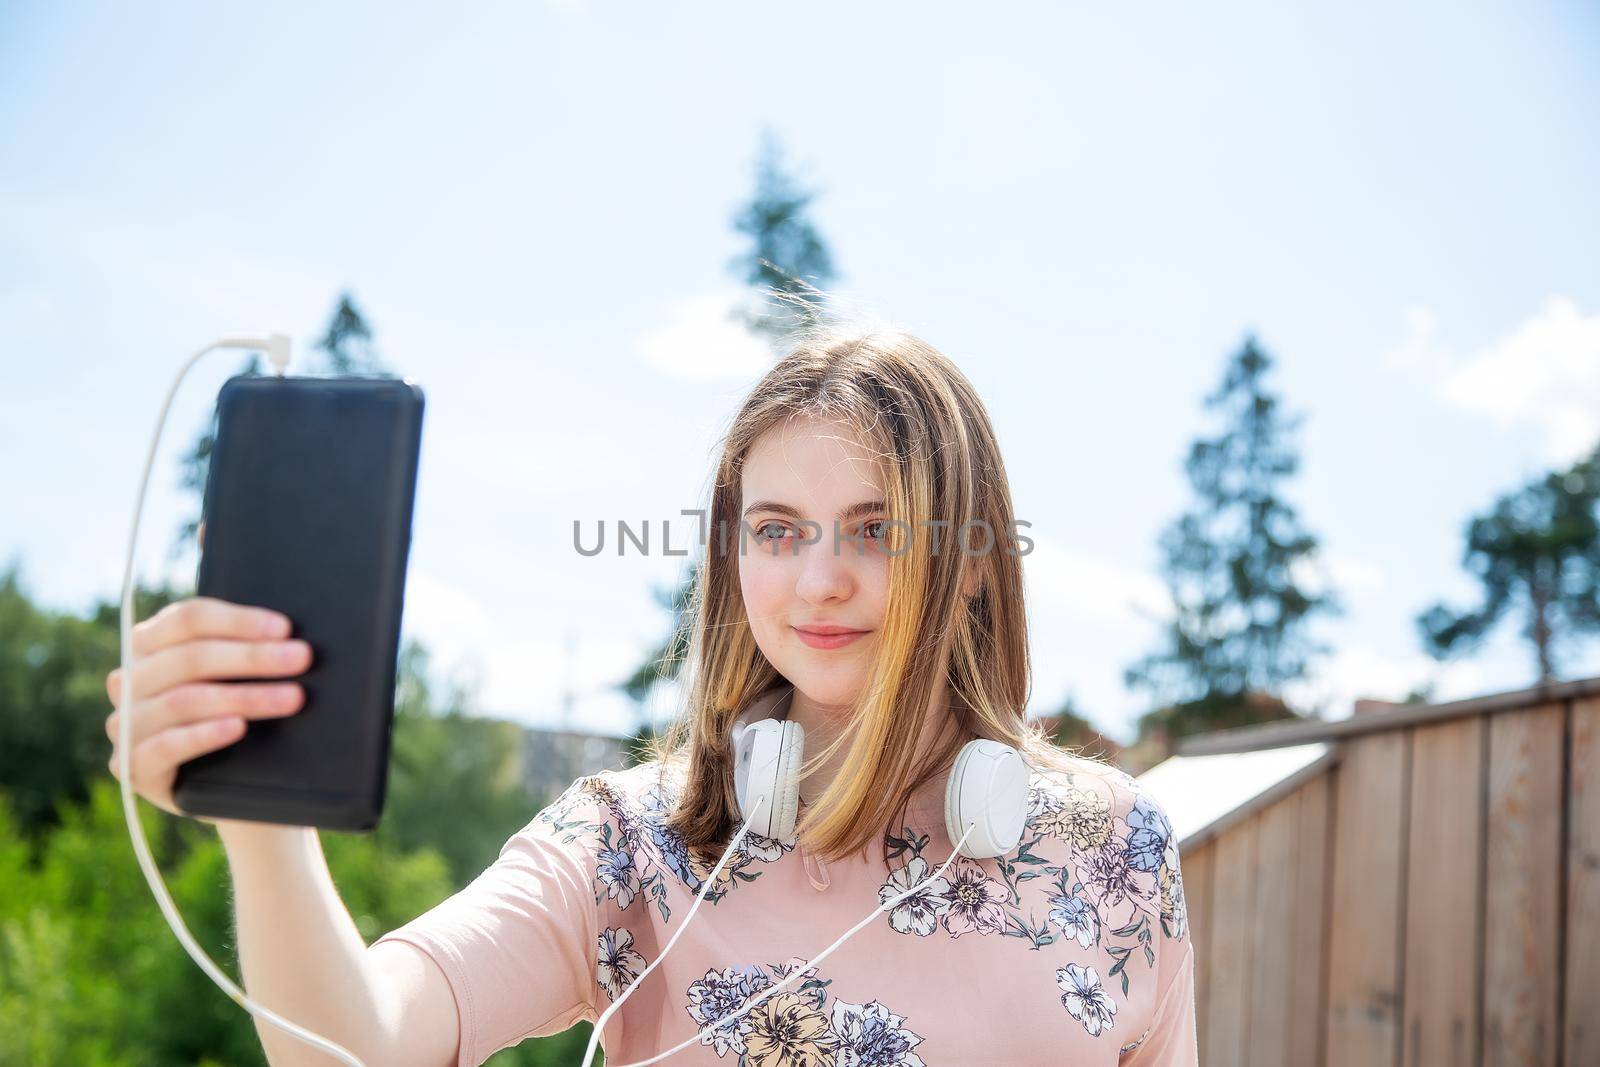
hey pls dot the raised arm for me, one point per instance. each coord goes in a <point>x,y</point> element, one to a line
<point>302,956</point>
<point>300,951</point>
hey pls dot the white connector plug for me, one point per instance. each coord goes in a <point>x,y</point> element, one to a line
<point>275,345</point>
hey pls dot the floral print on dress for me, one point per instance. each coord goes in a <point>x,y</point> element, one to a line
<point>918,913</point>
<point>637,852</point>
<point>1085,998</point>
<point>619,963</point>
<point>1121,875</point>
<point>1105,877</point>
<point>795,1027</point>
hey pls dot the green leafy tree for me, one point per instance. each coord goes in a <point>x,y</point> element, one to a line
<point>1537,548</point>
<point>440,753</point>
<point>90,973</point>
<point>53,703</point>
<point>1239,613</point>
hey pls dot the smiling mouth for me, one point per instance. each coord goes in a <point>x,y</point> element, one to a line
<point>835,640</point>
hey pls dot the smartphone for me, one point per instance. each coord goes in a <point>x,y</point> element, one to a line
<point>307,511</point>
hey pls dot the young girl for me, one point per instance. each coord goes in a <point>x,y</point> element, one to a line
<point>1072,948</point>
<point>862,579</point>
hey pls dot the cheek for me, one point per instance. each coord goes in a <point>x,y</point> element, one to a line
<point>872,585</point>
<point>764,589</point>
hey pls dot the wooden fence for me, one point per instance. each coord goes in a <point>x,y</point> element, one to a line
<point>1431,896</point>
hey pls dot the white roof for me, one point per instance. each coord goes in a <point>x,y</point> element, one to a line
<point>1197,792</point>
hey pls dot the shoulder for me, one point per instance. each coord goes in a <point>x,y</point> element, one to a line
<point>619,821</point>
<point>619,797</point>
<point>1094,785</point>
<point>1118,837</point>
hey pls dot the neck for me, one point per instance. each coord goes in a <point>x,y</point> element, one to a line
<point>824,723</point>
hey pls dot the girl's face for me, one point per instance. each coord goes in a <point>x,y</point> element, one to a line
<point>813,554</point>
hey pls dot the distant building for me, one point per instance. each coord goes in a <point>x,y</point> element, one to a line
<point>554,759</point>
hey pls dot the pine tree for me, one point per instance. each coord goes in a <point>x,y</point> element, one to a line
<point>788,263</point>
<point>1539,546</point>
<point>1236,636</point>
<point>349,351</point>
<point>347,343</point>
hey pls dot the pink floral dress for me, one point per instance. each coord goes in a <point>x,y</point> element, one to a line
<point>1071,949</point>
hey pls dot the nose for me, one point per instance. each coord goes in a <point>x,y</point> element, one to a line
<point>826,570</point>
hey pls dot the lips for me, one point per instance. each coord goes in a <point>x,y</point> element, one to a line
<point>828,636</point>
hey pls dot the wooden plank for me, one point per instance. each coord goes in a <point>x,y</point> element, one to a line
<point>1272,960</point>
<point>1264,799</point>
<point>1443,945</point>
<point>1309,935</point>
<point>1522,903</point>
<point>1280,733</point>
<point>1196,866</point>
<point>1232,902</point>
<point>1368,867</point>
<point>1582,1044</point>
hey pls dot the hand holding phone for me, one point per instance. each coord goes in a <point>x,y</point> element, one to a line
<point>307,513</point>
<point>178,711</point>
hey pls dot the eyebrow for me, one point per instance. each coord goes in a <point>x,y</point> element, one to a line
<point>865,507</point>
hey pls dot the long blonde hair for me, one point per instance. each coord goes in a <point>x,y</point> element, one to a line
<point>941,465</point>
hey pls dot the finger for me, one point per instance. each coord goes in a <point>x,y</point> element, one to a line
<point>193,702</point>
<point>210,658</point>
<point>155,759</point>
<point>204,616</point>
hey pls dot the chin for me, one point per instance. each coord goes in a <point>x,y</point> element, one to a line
<point>829,688</point>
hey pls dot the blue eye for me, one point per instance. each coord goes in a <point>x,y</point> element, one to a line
<point>881,524</point>
<point>764,527</point>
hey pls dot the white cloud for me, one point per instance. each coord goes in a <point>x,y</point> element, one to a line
<point>1087,587</point>
<point>1545,372</point>
<point>699,341</point>
<point>518,666</point>
<point>1357,670</point>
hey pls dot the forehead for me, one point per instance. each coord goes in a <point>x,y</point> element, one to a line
<point>809,461</point>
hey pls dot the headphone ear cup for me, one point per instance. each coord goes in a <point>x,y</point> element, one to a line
<point>787,807</point>
<point>766,758</point>
<point>987,788</point>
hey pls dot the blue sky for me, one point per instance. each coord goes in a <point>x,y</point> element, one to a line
<point>1086,210</point>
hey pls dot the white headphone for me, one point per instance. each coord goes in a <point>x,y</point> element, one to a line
<point>987,786</point>
<point>985,806</point>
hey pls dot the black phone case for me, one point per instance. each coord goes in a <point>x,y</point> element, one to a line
<point>308,507</point>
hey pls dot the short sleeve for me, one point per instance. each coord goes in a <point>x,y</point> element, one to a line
<point>518,943</point>
<point>1171,1040</point>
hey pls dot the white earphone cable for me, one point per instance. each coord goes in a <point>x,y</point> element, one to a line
<point>796,973</point>
<point>277,347</point>
<point>605,1016</point>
